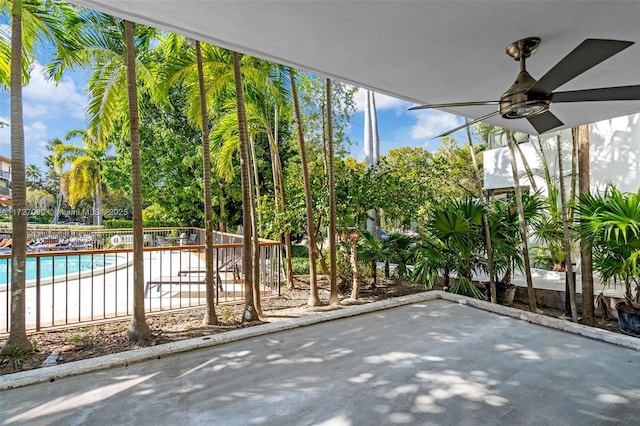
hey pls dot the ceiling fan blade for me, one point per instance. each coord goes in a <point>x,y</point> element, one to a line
<point>584,57</point>
<point>467,124</point>
<point>454,104</point>
<point>622,93</point>
<point>544,122</point>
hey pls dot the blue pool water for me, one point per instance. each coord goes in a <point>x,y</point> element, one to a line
<point>54,266</point>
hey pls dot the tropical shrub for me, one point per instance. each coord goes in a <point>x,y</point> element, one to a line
<point>611,224</point>
<point>452,242</point>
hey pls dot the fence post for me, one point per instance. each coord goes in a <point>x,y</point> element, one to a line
<point>37,293</point>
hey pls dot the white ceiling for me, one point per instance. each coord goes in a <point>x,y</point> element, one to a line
<point>420,51</point>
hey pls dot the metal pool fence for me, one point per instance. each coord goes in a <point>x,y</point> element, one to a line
<point>74,286</point>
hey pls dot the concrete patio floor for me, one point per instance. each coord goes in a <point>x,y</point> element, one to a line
<point>420,360</point>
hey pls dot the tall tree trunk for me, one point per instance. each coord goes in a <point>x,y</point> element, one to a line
<point>18,340</point>
<point>586,255</point>
<point>314,299</point>
<point>56,213</point>
<point>222,212</point>
<point>527,169</point>
<point>281,199</point>
<point>255,246</point>
<point>574,171</point>
<point>353,260</point>
<point>138,330</point>
<point>545,165</point>
<point>565,233</point>
<point>485,221</point>
<point>256,178</point>
<point>333,263</point>
<point>210,317</point>
<point>523,226</point>
<point>250,313</point>
<point>97,202</point>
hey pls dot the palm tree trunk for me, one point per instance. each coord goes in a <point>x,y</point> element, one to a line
<point>485,222</point>
<point>523,226</point>
<point>250,313</point>
<point>210,317</point>
<point>256,178</point>
<point>586,255</point>
<point>138,330</point>
<point>527,169</point>
<point>281,199</point>
<point>333,263</point>
<point>545,165</point>
<point>574,171</point>
<point>99,203</point>
<point>565,232</point>
<point>353,260</point>
<point>18,340</point>
<point>56,214</point>
<point>222,212</point>
<point>314,299</point>
<point>255,246</point>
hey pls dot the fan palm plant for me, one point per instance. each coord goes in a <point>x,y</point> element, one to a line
<point>452,243</point>
<point>611,223</point>
<point>505,233</point>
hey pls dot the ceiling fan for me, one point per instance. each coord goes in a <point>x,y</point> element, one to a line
<point>530,98</point>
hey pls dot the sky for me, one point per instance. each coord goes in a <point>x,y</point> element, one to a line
<point>51,110</point>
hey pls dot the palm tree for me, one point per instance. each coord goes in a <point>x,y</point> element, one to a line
<point>30,21</point>
<point>523,227</point>
<point>566,239</point>
<point>485,221</point>
<point>586,254</point>
<point>56,162</point>
<point>138,330</point>
<point>84,179</point>
<point>210,317</point>
<point>33,173</point>
<point>250,313</point>
<point>18,340</point>
<point>333,268</point>
<point>104,51</point>
<point>314,299</point>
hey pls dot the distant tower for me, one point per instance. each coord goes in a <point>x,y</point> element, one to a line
<point>371,152</point>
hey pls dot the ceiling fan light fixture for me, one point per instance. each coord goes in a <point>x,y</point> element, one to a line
<point>527,109</point>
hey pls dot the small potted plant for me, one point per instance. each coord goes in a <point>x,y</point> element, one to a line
<point>611,223</point>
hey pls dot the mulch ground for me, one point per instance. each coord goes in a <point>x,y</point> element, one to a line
<point>88,341</point>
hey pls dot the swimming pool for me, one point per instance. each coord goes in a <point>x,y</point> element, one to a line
<point>59,266</point>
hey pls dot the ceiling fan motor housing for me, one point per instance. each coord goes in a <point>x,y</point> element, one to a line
<point>517,102</point>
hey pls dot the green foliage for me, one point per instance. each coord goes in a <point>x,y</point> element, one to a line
<point>506,239</point>
<point>226,314</point>
<point>611,224</point>
<point>465,287</point>
<point>15,356</point>
<point>300,251</point>
<point>81,336</point>
<point>126,224</point>
<point>300,265</point>
<point>452,241</point>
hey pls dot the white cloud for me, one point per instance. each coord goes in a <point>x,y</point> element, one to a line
<point>5,133</point>
<point>36,136</point>
<point>432,123</point>
<point>43,99</point>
